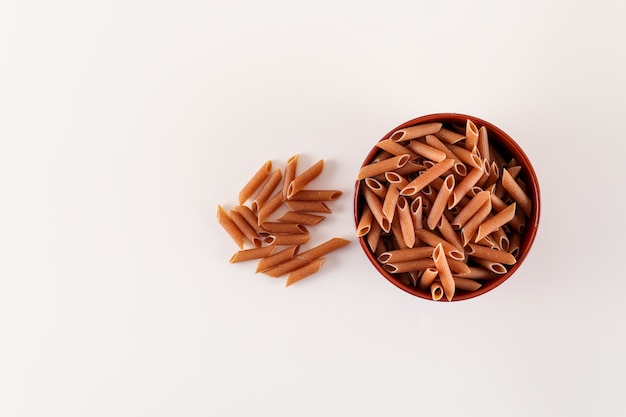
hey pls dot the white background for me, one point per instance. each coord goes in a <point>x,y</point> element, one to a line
<point>123,124</point>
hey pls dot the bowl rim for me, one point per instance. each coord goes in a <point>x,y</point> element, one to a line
<point>528,174</point>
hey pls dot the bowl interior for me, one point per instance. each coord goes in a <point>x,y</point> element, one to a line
<point>509,149</point>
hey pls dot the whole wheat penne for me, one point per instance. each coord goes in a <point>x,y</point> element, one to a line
<point>409,168</point>
<point>376,206</point>
<point>514,171</point>
<point>471,135</point>
<point>489,242</point>
<point>500,237</point>
<point>396,231</point>
<point>394,148</point>
<point>514,243</point>
<point>434,142</point>
<point>251,235</point>
<point>433,240</point>
<point>376,186</point>
<point>404,255</point>
<point>440,203</point>
<point>443,270</point>
<point>287,239</point>
<point>486,173</point>
<point>483,143</point>
<point>302,180</point>
<point>436,291</point>
<point>513,188</point>
<point>517,222</point>
<point>407,266</point>
<point>426,177</point>
<point>304,271</point>
<point>255,182</point>
<point>469,157</point>
<point>427,278</point>
<point>456,266</point>
<point>448,233</point>
<point>324,248</point>
<point>267,189</point>
<point>316,195</point>
<point>465,186</point>
<point>378,168</point>
<point>373,236</point>
<point>300,218</point>
<point>469,229</point>
<point>250,254</point>
<point>308,206</point>
<point>252,219</point>
<point>390,202</point>
<point>470,209</point>
<point>231,228</point>
<point>406,221</point>
<point>426,151</point>
<point>416,131</point>
<point>396,180</point>
<point>482,252</point>
<point>290,173</point>
<point>494,175</point>
<point>449,136</point>
<point>284,267</point>
<point>417,213</point>
<point>495,222</point>
<point>477,273</point>
<point>492,266</point>
<point>466,284</point>
<point>381,155</point>
<point>282,227</point>
<point>429,194</point>
<point>270,207</point>
<point>365,222</point>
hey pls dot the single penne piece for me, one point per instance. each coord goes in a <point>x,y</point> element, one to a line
<point>231,228</point>
<point>408,266</point>
<point>433,240</point>
<point>324,248</point>
<point>390,203</point>
<point>266,190</point>
<point>270,207</point>
<point>440,203</point>
<point>449,136</point>
<point>486,173</point>
<point>251,218</point>
<point>443,270</point>
<point>429,195</point>
<point>287,239</point>
<point>276,258</point>
<point>376,186</point>
<point>514,171</point>
<point>406,221</point>
<point>416,211</point>
<point>471,135</point>
<point>465,186</point>
<point>396,231</point>
<point>477,273</point>
<point>469,157</point>
<point>373,236</point>
<point>427,278</point>
<point>434,142</point>
<point>250,254</point>
<point>426,151</point>
<point>381,155</point>
<point>248,231</point>
<point>494,175</point>
<point>489,242</point>
<point>517,222</point>
<point>316,195</point>
<point>426,177</point>
<point>456,266</point>
<point>282,268</point>
<point>304,271</point>
<point>492,266</point>
<point>365,222</point>
<point>376,206</point>
<point>469,229</point>
<point>483,252</point>
<point>302,180</point>
<point>379,168</point>
<point>416,131</point>
<point>308,206</point>
<point>255,182</point>
<point>396,180</point>
<point>282,227</point>
<point>307,219</point>
<point>513,188</point>
<point>483,143</point>
<point>410,168</point>
<point>514,243</point>
<point>466,213</point>
<point>500,237</point>
<point>394,148</point>
<point>448,233</point>
<point>495,222</point>
<point>466,284</point>
<point>290,173</point>
<point>404,255</point>
<point>436,291</point>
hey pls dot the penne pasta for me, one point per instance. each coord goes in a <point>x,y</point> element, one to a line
<point>433,240</point>
<point>417,131</point>
<point>302,180</point>
<point>465,186</point>
<point>376,186</point>
<point>365,222</point>
<point>304,271</point>
<point>471,135</point>
<point>407,266</point>
<point>440,203</point>
<point>252,219</point>
<point>426,177</point>
<point>466,284</point>
<point>492,266</point>
<point>448,233</point>
<point>513,188</point>
<point>394,148</point>
<point>449,136</point>
<point>287,239</point>
<point>477,273</point>
<point>469,157</point>
<point>270,207</point>
<point>231,228</point>
<point>443,270</point>
<point>308,206</point>
<point>281,227</point>
<point>396,231</point>
<point>250,254</point>
<point>276,258</point>
<point>316,195</point>
<point>324,248</point>
<point>386,165</point>
<point>373,236</point>
<point>397,180</point>
<point>426,151</point>
<point>376,206</point>
<point>403,255</point>
<point>483,252</point>
<point>493,223</point>
<point>483,143</point>
<point>469,229</point>
<point>267,189</point>
<point>390,202</point>
<point>255,182</point>
<point>251,235</point>
<point>427,278</point>
<point>436,291</point>
<point>300,218</point>
<point>406,221</point>
<point>285,267</point>
<point>290,173</point>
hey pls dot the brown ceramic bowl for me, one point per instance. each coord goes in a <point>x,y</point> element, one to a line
<point>509,149</point>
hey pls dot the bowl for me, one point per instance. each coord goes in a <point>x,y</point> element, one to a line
<point>511,155</point>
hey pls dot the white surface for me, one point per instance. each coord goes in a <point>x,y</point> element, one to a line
<point>124,123</point>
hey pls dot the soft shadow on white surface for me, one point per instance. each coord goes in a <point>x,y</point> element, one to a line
<point>124,124</point>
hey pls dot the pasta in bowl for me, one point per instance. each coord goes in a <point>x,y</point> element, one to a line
<point>446,206</point>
